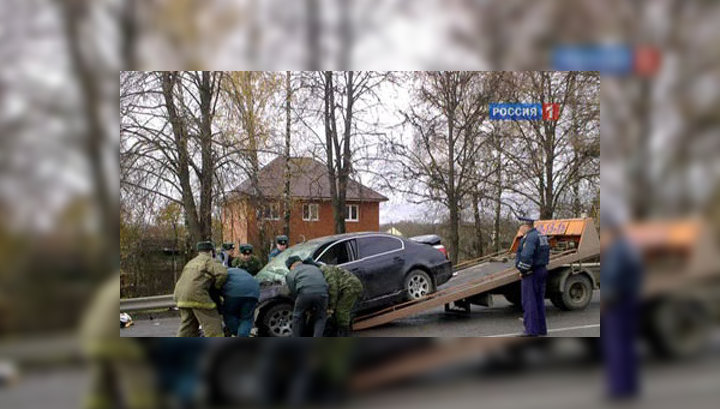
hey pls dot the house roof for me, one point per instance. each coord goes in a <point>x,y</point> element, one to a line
<point>308,180</point>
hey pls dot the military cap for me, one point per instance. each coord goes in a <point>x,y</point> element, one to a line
<point>228,246</point>
<point>292,260</point>
<point>246,248</point>
<point>205,246</point>
<point>282,239</point>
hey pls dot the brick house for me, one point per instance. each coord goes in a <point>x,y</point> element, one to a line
<point>311,213</point>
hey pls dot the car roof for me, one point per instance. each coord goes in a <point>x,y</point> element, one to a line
<point>336,237</point>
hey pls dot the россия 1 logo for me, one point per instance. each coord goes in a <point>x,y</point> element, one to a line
<point>501,111</point>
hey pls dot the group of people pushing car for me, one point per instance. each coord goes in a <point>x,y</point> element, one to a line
<point>213,289</point>
<point>208,289</point>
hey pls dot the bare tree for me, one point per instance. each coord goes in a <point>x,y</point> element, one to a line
<point>446,118</point>
<point>541,152</point>
<point>251,95</point>
<point>167,141</point>
<point>346,98</point>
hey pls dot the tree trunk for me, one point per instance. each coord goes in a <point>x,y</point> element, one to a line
<point>312,15</point>
<point>330,140</point>
<point>181,145</point>
<point>452,199</point>
<point>498,195</point>
<point>94,133</point>
<point>346,154</point>
<point>208,165</point>
<point>288,98</point>
<point>477,225</point>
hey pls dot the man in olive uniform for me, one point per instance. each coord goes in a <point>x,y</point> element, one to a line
<point>247,260</point>
<point>192,294</point>
<point>120,373</point>
<point>281,243</point>
<point>344,289</point>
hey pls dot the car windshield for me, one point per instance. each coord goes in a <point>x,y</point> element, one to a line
<point>276,270</point>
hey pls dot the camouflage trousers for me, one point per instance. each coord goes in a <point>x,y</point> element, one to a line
<point>345,304</point>
<point>192,318</point>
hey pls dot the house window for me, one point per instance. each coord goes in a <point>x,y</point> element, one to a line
<point>270,212</point>
<point>310,212</point>
<point>352,213</point>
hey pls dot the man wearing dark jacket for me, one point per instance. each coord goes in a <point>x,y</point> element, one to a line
<point>533,256</point>
<point>621,274</point>
<point>310,290</point>
<point>241,293</point>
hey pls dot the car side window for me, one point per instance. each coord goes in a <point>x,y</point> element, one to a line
<point>370,246</point>
<point>336,254</point>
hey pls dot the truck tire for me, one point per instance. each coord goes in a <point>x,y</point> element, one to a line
<point>276,320</point>
<point>677,328</point>
<point>576,295</point>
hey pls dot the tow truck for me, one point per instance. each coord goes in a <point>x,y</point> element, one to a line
<point>573,275</point>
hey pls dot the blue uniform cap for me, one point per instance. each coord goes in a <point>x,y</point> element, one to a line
<point>526,219</point>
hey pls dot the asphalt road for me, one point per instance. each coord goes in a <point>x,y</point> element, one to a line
<point>500,320</point>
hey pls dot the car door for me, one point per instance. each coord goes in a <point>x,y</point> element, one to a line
<point>381,259</point>
<point>343,254</point>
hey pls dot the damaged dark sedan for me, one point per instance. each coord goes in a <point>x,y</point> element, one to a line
<point>392,270</point>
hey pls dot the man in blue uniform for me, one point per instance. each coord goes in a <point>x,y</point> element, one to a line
<point>533,256</point>
<point>240,292</point>
<point>225,257</point>
<point>281,243</point>
<point>621,276</point>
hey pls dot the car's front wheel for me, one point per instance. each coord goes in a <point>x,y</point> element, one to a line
<point>418,284</point>
<point>276,321</point>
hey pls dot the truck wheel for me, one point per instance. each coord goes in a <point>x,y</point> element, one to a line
<point>677,328</point>
<point>418,284</point>
<point>576,295</point>
<point>276,321</point>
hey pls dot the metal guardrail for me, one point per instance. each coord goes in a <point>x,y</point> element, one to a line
<point>147,303</point>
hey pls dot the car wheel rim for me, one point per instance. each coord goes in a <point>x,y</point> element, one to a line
<point>279,323</point>
<point>418,286</point>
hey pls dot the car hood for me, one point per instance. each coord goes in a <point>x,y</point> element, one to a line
<point>269,290</point>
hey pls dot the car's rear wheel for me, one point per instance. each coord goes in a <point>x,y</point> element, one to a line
<point>276,321</point>
<point>418,284</point>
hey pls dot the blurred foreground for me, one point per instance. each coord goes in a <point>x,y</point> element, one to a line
<point>383,373</point>
<point>58,147</point>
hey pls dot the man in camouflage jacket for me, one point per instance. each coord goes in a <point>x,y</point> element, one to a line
<point>199,277</point>
<point>344,289</point>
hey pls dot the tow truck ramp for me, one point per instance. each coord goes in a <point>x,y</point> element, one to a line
<point>573,241</point>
